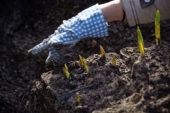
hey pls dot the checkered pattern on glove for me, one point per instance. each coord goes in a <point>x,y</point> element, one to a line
<point>88,23</point>
<point>53,55</point>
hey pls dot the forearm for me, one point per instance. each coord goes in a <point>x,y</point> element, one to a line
<point>112,11</point>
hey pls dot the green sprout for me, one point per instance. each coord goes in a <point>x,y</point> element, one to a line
<point>81,61</point>
<point>77,98</point>
<point>102,52</point>
<point>114,61</point>
<point>140,41</point>
<point>26,104</point>
<point>85,65</point>
<point>157,27</point>
<point>65,70</point>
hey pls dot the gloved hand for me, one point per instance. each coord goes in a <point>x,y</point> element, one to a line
<point>88,23</point>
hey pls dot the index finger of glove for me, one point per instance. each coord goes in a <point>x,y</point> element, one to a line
<point>38,48</point>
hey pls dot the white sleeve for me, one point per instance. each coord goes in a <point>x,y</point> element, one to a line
<point>135,14</point>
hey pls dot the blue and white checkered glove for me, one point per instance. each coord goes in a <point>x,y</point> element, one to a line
<point>88,23</point>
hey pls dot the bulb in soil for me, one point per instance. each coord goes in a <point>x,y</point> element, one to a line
<point>102,52</point>
<point>114,61</point>
<point>157,27</point>
<point>81,61</point>
<point>140,41</point>
<point>66,72</point>
<point>85,65</point>
<point>77,98</point>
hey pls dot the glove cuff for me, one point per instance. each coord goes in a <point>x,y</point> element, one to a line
<point>93,22</point>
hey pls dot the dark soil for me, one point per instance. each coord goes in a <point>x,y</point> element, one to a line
<point>136,84</point>
<point>140,83</point>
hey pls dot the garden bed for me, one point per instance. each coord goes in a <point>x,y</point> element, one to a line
<point>28,85</point>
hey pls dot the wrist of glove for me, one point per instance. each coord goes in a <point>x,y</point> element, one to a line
<point>88,23</point>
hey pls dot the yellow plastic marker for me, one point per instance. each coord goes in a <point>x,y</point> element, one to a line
<point>157,27</point>
<point>65,70</point>
<point>102,52</point>
<point>140,41</point>
<point>114,61</point>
